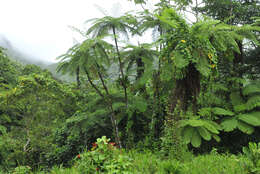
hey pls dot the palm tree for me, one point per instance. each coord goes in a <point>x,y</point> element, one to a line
<point>115,25</point>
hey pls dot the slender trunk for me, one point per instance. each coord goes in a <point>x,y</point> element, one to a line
<point>113,115</point>
<point>93,85</point>
<point>197,13</point>
<point>78,77</point>
<point>140,72</point>
<point>238,65</point>
<point>158,120</point>
<point>140,68</point>
<point>114,124</point>
<point>121,68</point>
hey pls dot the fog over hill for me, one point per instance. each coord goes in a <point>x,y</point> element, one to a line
<point>24,58</point>
<point>16,54</point>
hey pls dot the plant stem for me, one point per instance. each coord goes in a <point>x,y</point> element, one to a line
<point>121,68</point>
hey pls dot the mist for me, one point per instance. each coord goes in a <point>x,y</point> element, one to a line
<point>39,29</point>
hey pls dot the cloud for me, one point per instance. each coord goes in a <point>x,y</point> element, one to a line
<point>40,27</point>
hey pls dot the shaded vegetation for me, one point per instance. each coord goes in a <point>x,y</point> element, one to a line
<point>190,98</point>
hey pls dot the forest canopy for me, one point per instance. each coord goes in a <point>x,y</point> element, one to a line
<point>194,88</point>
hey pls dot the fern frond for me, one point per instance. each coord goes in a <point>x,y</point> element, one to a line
<point>244,127</point>
<point>229,124</point>
<point>223,112</point>
<point>240,108</point>
<point>236,100</point>
<point>252,119</point>
<point>251,89</point>
<point>196,139</point>
<point>2,129</point>
<point>204,133</point>
<point>193,130</point>
<point>253,102</point>
<point>187,134</point>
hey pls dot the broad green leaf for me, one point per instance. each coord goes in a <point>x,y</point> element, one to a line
<point>251,89</point>
<point>255,114</point>
<point>212,127</point>
<point>196,139</point>
<point>253,102</point>
<point>250,119</point>
<point>203,66</point>
<point>204,133</point>
<point>118,105</point>
<point>240,108</point>
<point>221,111</point>
<point>229,124</point>
<point>195,123</point>
<point>183,123</point>
<point>187,133</point>
<point>179,60</point>
<point>244,127</point>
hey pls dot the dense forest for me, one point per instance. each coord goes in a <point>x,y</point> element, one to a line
<point>186,103</point>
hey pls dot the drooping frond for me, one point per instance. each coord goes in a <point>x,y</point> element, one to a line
<point>252,88</point>
<point>104,26</point>
<point>193,131</point>
<point>200,43</point>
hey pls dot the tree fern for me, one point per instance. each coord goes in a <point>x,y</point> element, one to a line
<point>209,35</point>
<point>193,131</point>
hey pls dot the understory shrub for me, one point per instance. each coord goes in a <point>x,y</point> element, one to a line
<point>104,157</point>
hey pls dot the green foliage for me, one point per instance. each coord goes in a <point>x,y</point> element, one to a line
<point>148,162</point>
<point>252,152</point>
<point>234,12</point>
<point>199,72</point>
<point>214,163</point>
<point>104,158</point>
<point>22,170</point>
<point>199,44</point>
<point>9,70</point>
<point>193,131</point>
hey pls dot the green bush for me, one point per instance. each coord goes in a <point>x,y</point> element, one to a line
<point>103,158</point>
<point>252,154</point>
<point>22,170</point>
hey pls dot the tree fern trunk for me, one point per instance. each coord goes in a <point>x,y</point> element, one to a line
<point>121,68</point>
<point>78,77</point>
<point>110,103</point>
<point>186,91</point>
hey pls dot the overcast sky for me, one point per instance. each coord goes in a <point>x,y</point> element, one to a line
<point>40,27</point>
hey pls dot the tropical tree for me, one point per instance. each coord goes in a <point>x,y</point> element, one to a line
<point>193,51</point>
<point>138,55</point>
<point>70,63</point>
<point>92,57</point>
<point>115,25</point>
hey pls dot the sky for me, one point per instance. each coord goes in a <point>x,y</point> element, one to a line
<point>41,27</point>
